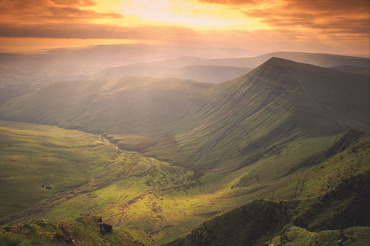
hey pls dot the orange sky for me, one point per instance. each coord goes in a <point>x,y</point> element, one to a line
<point>332,26</point>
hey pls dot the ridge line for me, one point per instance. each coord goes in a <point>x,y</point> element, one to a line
<point>305,91</point>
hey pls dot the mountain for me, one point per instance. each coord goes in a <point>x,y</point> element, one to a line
<point>334,98</point>
<point>276,101</point>
<point>188,152</point>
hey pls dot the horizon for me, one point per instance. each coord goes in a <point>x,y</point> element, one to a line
<point>261,27</point>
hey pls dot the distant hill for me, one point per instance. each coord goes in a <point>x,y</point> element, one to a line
<point>220,70</point>
<point>318,59</point>
<point>24,73</point>
<point>77,63</point>
<point>137,104</point>
<point>203,73</point>
<point>352,69</point>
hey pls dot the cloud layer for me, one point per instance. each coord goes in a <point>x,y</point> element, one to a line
<point>326,22</point>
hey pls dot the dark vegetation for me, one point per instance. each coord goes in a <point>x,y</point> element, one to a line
<point>85,230</point>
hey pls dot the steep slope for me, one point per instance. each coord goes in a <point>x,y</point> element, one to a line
<point>259,113</point>
<point>328,207</point>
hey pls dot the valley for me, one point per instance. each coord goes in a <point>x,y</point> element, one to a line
<point>278,155</point>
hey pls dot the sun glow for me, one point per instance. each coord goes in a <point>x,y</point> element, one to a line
<point>277,24</point>
<point>185,13</point>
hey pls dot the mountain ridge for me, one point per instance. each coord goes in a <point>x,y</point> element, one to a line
<point>284,95</point>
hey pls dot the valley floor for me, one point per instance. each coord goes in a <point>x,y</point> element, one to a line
<point>44,176</point>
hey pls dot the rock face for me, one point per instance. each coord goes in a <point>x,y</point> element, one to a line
<point>246,225</point>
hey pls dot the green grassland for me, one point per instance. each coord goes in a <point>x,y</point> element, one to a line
<point>40,161</point>
<point>56,173</point>
<point>321,207</point>
<point>156,202</point>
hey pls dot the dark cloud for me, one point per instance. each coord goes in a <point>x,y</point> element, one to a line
<point>75,13</point>
<point>35,11</point>
<point>85,3</point>
<point>327,6</point>
<point>328,16</point>
<point>86,31</point>
<point>336,17</point>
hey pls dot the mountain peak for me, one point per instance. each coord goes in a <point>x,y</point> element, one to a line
<point>274,61</point>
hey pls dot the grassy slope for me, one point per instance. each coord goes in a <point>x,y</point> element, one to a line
<point>324,205</point>
<point>259,114</point>
<point>39,161</point>
<point>143,105</point>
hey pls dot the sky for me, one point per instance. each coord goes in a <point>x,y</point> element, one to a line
<point>328,26</point>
